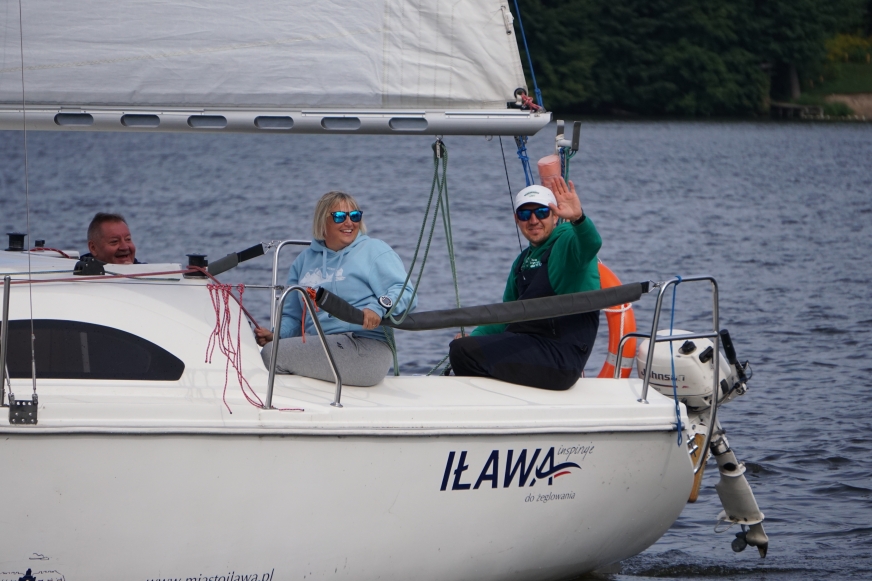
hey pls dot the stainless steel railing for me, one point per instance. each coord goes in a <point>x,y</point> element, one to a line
<point>654,338</point>
<point>275,345</point>
<point>4,338</point>
<point>275,276</point>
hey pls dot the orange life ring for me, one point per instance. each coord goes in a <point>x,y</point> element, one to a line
<point>621,321</point>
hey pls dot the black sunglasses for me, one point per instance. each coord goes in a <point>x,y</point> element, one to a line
<point>541,213</point>
<point>339,217</point>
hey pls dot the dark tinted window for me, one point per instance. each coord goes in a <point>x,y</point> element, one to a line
<point>74,350</point>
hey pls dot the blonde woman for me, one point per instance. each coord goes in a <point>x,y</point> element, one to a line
<point>364,271</point>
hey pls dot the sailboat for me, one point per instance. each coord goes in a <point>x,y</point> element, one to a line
<point>129,456</point>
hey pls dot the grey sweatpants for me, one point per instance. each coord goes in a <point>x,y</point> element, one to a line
<point>361,361</point>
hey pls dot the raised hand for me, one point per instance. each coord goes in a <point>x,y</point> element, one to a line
<point>568,205</point>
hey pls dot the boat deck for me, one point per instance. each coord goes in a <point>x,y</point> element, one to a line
<point>399,405</point>
<point>177,315</point>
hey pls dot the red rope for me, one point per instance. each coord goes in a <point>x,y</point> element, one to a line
<point>222,338</point>
<point>527,101</point>
<point>238,300</point>
<point>46,249</point>
<point>312,293</point>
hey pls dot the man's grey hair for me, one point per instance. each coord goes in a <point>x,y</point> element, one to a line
<point>322,212</point>
<point>100,218</point>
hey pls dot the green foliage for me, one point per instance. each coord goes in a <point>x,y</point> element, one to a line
<point>837,110</point>
<point>674,57</point>
<point>866,25</point>
<point>849,48</point>
<point>844,78</point>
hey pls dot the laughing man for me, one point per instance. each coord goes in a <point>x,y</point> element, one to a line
<point>109,240</point>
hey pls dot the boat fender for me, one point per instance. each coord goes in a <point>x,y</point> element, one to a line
<point>549,169</point>
<point>621,321</point>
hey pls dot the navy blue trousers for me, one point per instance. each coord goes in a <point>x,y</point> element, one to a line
<point>520,358</point>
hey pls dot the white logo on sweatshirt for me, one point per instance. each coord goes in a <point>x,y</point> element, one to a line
<point>315,278</point>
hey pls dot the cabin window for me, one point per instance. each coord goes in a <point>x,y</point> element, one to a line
<point>75,350</point>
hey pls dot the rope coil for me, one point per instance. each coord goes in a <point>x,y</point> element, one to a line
<point>222,339</point>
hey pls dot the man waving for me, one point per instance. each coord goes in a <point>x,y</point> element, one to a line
<point>561,259</point>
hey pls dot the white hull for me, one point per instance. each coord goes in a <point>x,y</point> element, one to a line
<point>157,479</point>
<point>192,506</point>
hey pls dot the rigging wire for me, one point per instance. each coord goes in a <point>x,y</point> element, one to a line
<point>26,200</point>
<point>509,184</point>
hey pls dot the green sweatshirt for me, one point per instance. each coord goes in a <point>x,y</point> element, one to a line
<point>572,266</point>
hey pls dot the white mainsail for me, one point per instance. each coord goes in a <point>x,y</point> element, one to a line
<point>426,65</point>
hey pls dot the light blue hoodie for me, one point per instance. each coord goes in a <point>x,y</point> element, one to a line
<point>360,273</point>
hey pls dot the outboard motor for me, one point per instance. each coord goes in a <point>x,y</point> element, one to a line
<point>694,367</point>
<point>693,362</point>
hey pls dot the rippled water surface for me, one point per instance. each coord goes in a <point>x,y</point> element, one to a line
<point>779,213</point>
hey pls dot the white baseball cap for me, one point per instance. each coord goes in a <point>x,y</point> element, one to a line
<point>535,195</point>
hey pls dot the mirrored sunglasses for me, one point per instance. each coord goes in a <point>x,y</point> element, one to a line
<point>339,217</point>
<point>541,213</point>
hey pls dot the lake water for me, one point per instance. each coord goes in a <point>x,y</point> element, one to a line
<point>780,214</point>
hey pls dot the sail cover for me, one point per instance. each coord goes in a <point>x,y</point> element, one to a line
<point>266,54</point>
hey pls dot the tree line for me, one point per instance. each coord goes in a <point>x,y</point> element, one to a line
<point>680,57</point>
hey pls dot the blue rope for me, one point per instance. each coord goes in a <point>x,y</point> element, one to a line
<point>529,60</point>
<point>672,361</point>
<point>525,159</point>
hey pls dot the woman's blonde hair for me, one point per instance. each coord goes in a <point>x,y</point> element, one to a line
<point>322,212</point>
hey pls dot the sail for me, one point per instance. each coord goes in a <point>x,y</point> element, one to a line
<point>372,59</point>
